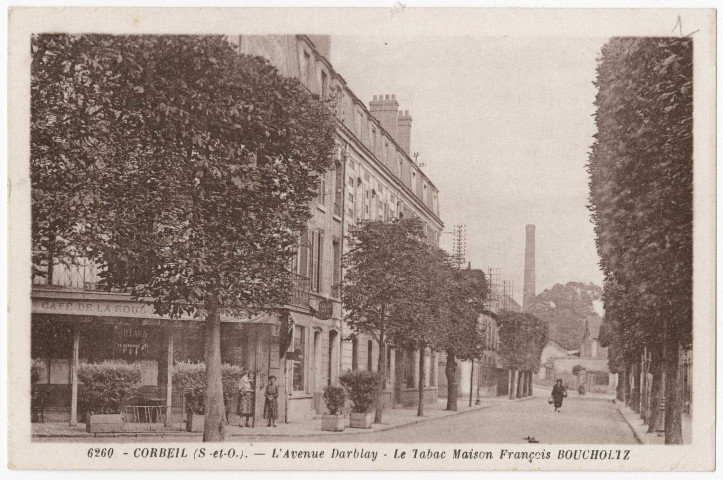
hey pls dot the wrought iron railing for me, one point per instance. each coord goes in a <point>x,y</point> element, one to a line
<point>145,413</point>
<point>82,275</point>
<point>299,294</point>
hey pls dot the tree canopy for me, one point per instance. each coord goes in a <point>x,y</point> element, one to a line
<point>641,194</point>
<point>522,338</point>
<point>183,169</point>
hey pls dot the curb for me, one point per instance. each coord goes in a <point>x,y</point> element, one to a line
<point>261,436</point>
<point>362,431</point>
<point>630,425</point>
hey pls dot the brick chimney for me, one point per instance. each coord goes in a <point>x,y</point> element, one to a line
<point>404,131</point>
<point>528,290</point>
<point>385,109</point>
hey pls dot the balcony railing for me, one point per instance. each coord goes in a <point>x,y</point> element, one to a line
<point>299,295</point>
<point>337,209</point>
<point>81,276</point>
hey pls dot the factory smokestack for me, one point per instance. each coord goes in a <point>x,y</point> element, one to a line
<point>528,291</point>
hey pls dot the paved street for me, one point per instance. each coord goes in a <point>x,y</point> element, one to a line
<point>582,420</point>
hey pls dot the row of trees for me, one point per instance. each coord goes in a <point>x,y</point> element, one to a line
<point>522,338</point>
<point>181,168</point>
<point>407,294</point>
<point>410,295</point>
<point>641,193</point>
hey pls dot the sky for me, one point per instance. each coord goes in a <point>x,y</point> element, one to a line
<point>504,125</point>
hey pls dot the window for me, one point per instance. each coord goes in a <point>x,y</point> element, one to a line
<point>385,152</point>
<point>409,368</point>
<point>424,192</point>
<point>374,141</point>
<point>317,241</point>
<point>370,352</point>
<point>359,123</point>
<point>298,363</point>
<point>355,354</point>
<point>307,68</point>
<point>336,282</point>
<point>435,206</point>
<point>324,86</point>
<point>338,188</point>
<point>303,254</point>
<point>399,167</point>
<point>322,189</point>
<point>414,182</point>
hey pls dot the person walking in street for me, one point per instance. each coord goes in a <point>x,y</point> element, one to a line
<point>271,405</point>
<point>246,399</point>
<point>558,393</point>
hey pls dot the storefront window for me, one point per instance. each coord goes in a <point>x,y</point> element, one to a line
<point>298,364</point>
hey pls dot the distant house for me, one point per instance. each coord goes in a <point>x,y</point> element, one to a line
<point>557,362</point>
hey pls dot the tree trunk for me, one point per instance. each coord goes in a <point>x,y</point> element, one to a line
<point>644,397</point>
<point>519,384</point>
<point>382,368</point>
<point>529,384</point>
<point>673,404</point>
<point>420,407</point>
<point>656,390</point>
<point>627,384</point>
<point>619,390</point>
<point>214,411</point>
<point>636,388</point>
<point>513,385</point>
<point>450,371</point>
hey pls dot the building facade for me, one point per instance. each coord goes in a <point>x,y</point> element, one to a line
<point>373,178</point>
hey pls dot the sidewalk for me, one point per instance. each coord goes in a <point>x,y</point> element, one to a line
<point>640,431</point>
<point>392,418</point>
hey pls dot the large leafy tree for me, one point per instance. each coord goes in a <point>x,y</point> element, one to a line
<point>641,191</point>
<point>180,167</point>
<point>418,323</point>
<point>382,281</point>
<point>459,332</point>
<point>566,308</point>
<point>522,338</point>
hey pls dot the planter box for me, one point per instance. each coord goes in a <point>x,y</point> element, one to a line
<point>194,422</point>
<point>105,423</point>
<point>333,423</point>
<point>361,420</point>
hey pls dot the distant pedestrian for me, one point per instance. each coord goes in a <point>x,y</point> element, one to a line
<point>246,399</point>
<point>271,405</point>
<point>558,393</point>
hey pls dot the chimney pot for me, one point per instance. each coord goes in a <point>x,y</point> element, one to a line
<point>384,108</point>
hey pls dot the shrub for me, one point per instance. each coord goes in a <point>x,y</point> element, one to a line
<point>362,387</point>
<point>191,378</point>
<point>334,396</point>
<point>108,386</point>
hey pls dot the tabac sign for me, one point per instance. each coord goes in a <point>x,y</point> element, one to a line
<point>325,310</point>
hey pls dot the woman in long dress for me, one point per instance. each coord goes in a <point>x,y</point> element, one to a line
<point>558,393</point>
<point>271,405</point>
<point>246,399</point>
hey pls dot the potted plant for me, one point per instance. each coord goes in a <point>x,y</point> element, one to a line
<point>333,421</point>
<point>107,388</point>
<point>191,379</point>
<point>362,386</point>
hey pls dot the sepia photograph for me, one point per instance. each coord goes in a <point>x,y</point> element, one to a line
<point>458,247</point>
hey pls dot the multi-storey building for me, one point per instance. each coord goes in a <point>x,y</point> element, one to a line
<point>373,177</point>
